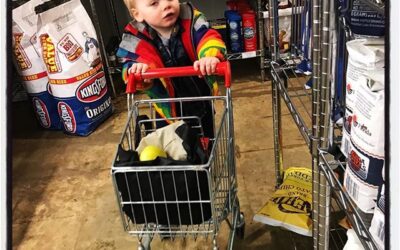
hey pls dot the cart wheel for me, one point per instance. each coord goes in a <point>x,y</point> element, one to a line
<point>239,230</point>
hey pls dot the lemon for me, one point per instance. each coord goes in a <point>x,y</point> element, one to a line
<point>151,152</point>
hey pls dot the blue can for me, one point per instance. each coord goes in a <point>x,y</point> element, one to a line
<point>234,26</point>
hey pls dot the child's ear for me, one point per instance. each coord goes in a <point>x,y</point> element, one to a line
<point>135,14</point>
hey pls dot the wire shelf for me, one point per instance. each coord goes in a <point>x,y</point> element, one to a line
<point>332,169</point>
<point>244,55</point>
<point>297,97</point>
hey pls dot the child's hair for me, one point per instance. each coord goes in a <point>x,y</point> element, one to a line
<point>130,4</point>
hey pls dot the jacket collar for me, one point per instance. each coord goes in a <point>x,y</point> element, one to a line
<point>175,31</point>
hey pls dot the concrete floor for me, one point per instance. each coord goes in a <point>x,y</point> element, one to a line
<point>63,197</point>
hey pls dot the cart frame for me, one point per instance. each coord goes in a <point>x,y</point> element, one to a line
<point>167,216</point>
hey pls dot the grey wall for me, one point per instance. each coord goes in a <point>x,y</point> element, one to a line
<point>109,24</point>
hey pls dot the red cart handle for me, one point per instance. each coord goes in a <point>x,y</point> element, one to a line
<point>222,69</point>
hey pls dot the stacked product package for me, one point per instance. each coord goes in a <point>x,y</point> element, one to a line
<point>57,55</point>
<point>241,26</point>
<point>363,133</point>
<point>30,66</point>
<point>70,51</point>
<point>365,21</point>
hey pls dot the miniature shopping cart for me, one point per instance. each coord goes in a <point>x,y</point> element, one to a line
<point>179,200</point>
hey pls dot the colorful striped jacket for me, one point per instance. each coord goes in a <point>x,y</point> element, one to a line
<point>198,40</point>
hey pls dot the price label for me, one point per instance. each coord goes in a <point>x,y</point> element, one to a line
<point>249,54</point>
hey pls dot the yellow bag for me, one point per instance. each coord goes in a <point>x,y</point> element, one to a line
<point>290,206</point>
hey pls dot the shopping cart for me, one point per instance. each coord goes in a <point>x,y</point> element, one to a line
<point>180,200</point>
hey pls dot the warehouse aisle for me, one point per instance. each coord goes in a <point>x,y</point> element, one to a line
<point>63,196</point>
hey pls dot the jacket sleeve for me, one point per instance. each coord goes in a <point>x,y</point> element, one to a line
<point>135,50</point>
<point>208,42</point>
<point>127,55</point>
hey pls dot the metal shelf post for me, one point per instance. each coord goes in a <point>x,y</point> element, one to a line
<point>324,122</point>
<point>276,101</point>
<point>316,57</point>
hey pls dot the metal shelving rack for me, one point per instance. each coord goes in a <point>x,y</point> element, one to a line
<point>314,125</point>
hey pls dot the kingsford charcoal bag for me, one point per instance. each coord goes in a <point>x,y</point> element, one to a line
<point>30,66</point>
<point>70,50</point>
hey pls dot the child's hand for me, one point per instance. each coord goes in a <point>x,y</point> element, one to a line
<point>138,68</point>
<point>141,68</point>
<point>206,65</point>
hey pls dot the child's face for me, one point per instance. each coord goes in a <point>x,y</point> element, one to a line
<point>159,14</point>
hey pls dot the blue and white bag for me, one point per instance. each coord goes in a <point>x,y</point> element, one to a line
<point>71,53</point>
<point>30,66</point>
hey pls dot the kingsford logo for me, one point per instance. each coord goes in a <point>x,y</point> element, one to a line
<point>92,113</point>
<point>93,89</point>
<point>41,112</point>
<point>67,117</point>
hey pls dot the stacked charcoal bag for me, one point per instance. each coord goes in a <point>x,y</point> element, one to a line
<point>365,21</point>
<point>30,66</point>
<point>364,55</point>
<point>71,53</point>
<point>178,192</point>
<point>366,158</point>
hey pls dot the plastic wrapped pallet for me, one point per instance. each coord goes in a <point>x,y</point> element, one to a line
<point>365,55</point>
<point>71,53</point>
<point>30,67</point>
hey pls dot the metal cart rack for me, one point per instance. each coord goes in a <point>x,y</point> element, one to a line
<point>311,112</point>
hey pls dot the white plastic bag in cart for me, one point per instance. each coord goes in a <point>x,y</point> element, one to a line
<point>70,50</point>
<point>30,66</point>
<point>365,55</point>
<point>166,139</point>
